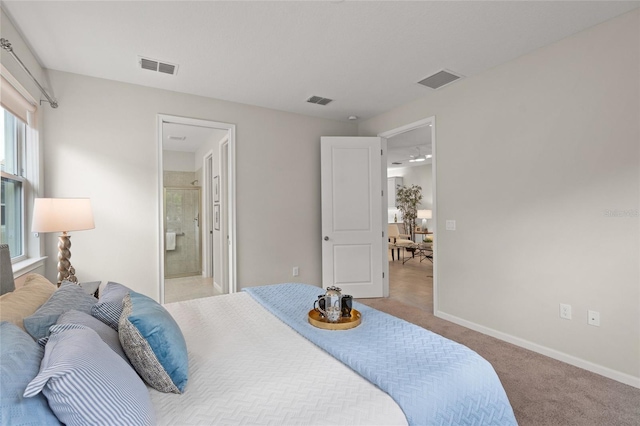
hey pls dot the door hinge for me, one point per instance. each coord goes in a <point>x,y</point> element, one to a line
<point>383,275</point>
<point>381,153</point>
<point>382,234</point>
<point>382,193</point>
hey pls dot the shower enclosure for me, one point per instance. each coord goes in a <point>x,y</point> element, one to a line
<point>182,256</point>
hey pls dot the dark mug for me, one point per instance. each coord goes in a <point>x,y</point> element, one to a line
<point>346,303</point>
<point>321,304</point>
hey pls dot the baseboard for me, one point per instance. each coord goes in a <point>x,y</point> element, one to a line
<point>618,376</point>
<point>217,287</point>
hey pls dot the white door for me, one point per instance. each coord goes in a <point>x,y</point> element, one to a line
<point>353,253</point>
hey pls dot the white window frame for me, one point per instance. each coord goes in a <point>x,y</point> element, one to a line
<point>21,155</point>
<point>33,247</point>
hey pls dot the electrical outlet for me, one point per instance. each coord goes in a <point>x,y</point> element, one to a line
<point>565,311</point>
<point>450,225</point>
<point>594,318</point>
<point>296,271</point>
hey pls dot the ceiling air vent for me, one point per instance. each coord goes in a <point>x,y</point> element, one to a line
<point>319,100</point>
<point>395,163</point>
<point>439,79</point>
<point>158,66</point>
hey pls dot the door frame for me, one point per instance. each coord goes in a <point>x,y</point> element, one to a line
<point>207,177</point>
<point>225,189</point>
<point>402,129</point>
<point>231,194</point>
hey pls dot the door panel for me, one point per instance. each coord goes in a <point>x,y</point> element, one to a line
<point>352,264</point>
<point>351,215</point>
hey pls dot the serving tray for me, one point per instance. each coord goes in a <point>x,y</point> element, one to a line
<point>345,323</point>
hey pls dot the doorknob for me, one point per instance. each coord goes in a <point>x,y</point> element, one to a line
<point>326,238</point>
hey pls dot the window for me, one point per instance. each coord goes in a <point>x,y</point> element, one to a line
<point>12,198</point>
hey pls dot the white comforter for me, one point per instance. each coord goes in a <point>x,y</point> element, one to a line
<point>248,367</point>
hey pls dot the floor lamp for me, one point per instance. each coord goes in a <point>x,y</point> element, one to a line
<point>63,215</point>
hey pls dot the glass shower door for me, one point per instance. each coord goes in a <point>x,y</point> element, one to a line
<point>182,232</point>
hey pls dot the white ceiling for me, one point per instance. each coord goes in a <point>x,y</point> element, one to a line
<point>195,137</point>
<point>367,56</point>
<point>402,147</point>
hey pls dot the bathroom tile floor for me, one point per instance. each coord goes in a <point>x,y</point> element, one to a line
<point>187,288</point>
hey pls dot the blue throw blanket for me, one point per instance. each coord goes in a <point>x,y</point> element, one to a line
<point>434,380</point>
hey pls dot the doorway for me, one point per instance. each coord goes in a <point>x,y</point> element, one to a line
<point>193,172</point>
<point>411,160</point>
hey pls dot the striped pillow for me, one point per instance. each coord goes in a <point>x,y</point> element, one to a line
<point>106,333</point>
<point>87,383</point>
<point>68,296</point>
<point>109,307</point>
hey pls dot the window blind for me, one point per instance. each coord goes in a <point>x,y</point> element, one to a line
<point>13,101</point>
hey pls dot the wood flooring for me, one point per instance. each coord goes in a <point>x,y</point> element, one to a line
<point>412,282</point>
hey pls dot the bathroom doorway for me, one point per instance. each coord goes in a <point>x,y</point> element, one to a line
<point>195,183</point>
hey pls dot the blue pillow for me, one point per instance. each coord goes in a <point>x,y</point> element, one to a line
<point>87,383</point>
<point>68,296</point>
<point>20,360</point>
<point>154,343</point>
<point>106,333</point>
<point>109,307</point>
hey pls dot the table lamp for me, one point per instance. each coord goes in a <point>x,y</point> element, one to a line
<point>63,215</point>
<point>424,215</point>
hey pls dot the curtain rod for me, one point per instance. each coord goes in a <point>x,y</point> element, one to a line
<point>7,46</point>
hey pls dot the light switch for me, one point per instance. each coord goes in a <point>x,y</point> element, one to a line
<point>450,225</point>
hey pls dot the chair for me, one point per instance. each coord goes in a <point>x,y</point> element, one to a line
<point>6,271</point>
<point>397,240</point>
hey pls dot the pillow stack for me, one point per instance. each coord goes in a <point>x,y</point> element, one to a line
<point>92,354</point>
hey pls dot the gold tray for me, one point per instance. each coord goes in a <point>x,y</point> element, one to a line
<point>344,324</point>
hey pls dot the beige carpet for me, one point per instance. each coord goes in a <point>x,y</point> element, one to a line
<point>542,391</point>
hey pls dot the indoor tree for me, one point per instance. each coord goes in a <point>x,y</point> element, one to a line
<point>407,200</point>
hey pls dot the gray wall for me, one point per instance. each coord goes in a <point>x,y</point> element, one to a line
<point>107,131</point>
<point>530,158</point>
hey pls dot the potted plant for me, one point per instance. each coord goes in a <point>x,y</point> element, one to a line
<point>408,200</point>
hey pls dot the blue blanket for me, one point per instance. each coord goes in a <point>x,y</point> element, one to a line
<point>434,380</point>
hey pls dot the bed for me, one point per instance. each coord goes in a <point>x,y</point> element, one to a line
<point>253,358</point>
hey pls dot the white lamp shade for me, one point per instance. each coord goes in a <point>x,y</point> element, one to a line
<point>424,214</point>
<point>62,215</point>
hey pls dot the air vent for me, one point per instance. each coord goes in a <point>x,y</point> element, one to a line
<point>158,66</point>
<point>439,79</point>
<point>177,138</point>
<point>395,163</point>
<point>319,100</point>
